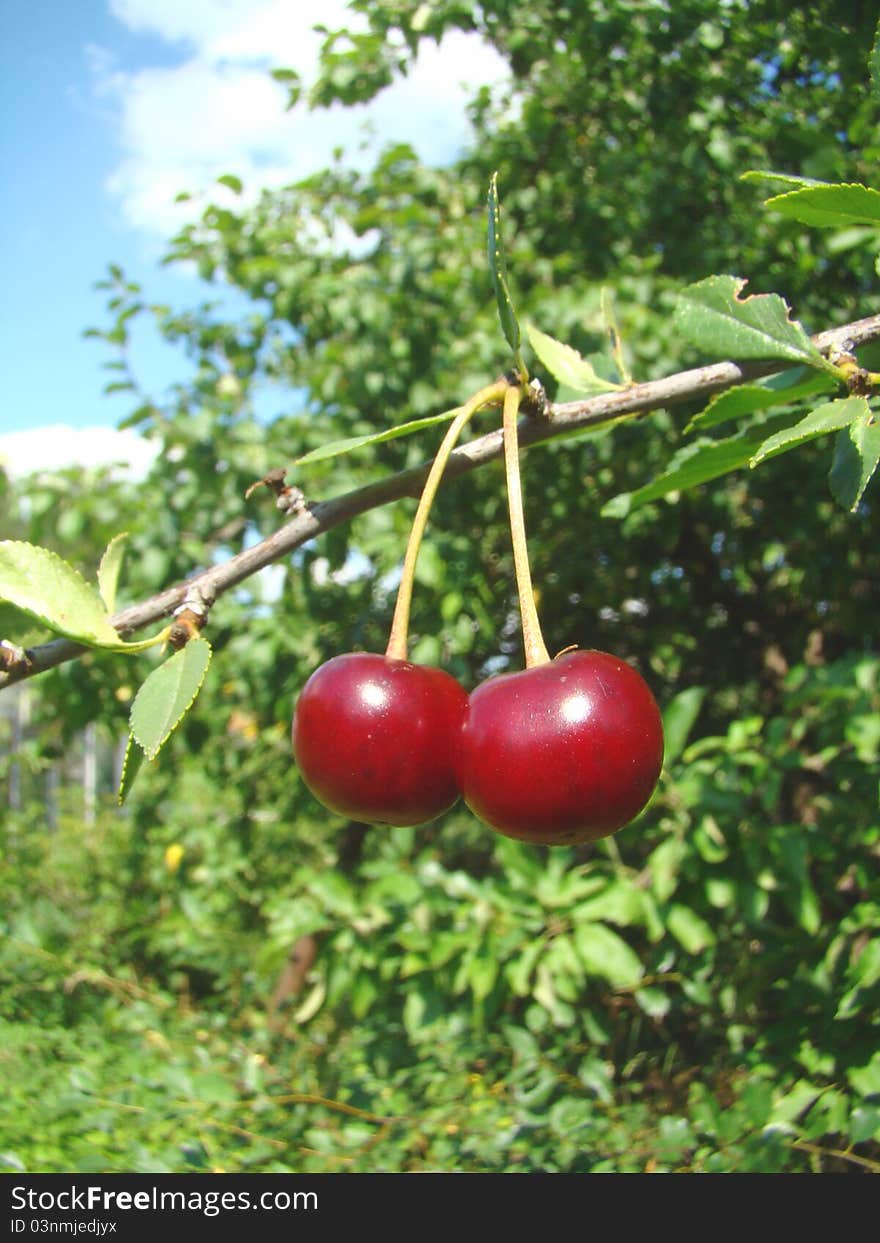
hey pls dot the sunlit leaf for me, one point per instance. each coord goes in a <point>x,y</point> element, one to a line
<point>712,315</point>
<point>131,766</point>
<point>108,570</point>
<point>874,64</point>
<point>168,694</point>
<point>566,365</point>
<point>337,447</point>
<point>689,929</point>
<point>603,953</point>
<point>830,207</point>
<point>41,584</point>
<point>788,181</point>
<point>679,717</point>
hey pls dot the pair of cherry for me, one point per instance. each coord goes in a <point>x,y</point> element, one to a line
<point>567,751</point>
<point>563,751</point>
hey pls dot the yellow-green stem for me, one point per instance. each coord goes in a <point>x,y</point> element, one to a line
<point>399,635</point>
<point>533,640</point>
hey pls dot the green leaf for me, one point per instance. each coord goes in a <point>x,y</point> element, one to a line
<point>795,1102</point>
<point>866,1079</point>
<point>337,447</point>
<point>864,1122</point>
<point>712,315</point>
<point>231,182</point>
<point>313,1002</point>
<point>829,417</point>
<point>789,180</point>
<point>482,973</point>
<point>856,454</point>
<point>108,570</point>
<point>829,207</point>
<point>131,766</point>
<point>566,365</point>
<point>678,720</point>
<point>45,587</point>
<point>498,273</point>
<point>696,463</point>
<point>664,865</point>
<point>874,65</point>
<point>612,328</point>
<point>605,954</point>
<point>620,902</point>
<point>168,694</point>
<point>745,399</point>
<point>691,932</point>
<point>799,894</point>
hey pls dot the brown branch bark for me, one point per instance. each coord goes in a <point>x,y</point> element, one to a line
<point>322,516</point>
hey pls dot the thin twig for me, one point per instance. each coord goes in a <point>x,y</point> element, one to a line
<point>315,519</point>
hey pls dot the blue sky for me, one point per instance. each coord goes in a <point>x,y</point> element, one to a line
<point>58,145</point>
<point>109,108</point>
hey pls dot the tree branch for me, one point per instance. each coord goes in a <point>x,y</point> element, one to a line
<point>316,518</point>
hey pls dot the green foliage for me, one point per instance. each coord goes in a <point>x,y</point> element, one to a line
<point>498,272</point>
<point>167,695</point>
<point>698,994</point>
<point>52,592</point>
<point>540,1010</point>
<point>567,366</point>
<point>713,315</point>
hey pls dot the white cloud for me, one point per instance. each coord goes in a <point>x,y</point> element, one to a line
<point>218,110</point>
<point>60,446</point>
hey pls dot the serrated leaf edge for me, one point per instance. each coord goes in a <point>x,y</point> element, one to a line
<point>72,570</point>
<point>151,753</point>
<point>131,765</point>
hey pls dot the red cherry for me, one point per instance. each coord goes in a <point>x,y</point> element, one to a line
<point>375,738</point>
<point>564,752</point>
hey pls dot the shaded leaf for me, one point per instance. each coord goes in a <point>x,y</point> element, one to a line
<point>168,694</point>
<point>696,463</point>
<point>745,399</point>
<point>498,272</point>
<point>566,365</point>
<point>874,65</point>
<point>856,454</point>
<point>829,417</point>
<point>713,316</point>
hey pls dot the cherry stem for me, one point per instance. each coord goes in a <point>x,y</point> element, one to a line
<point>399,636</point>
<point>533,640</point>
